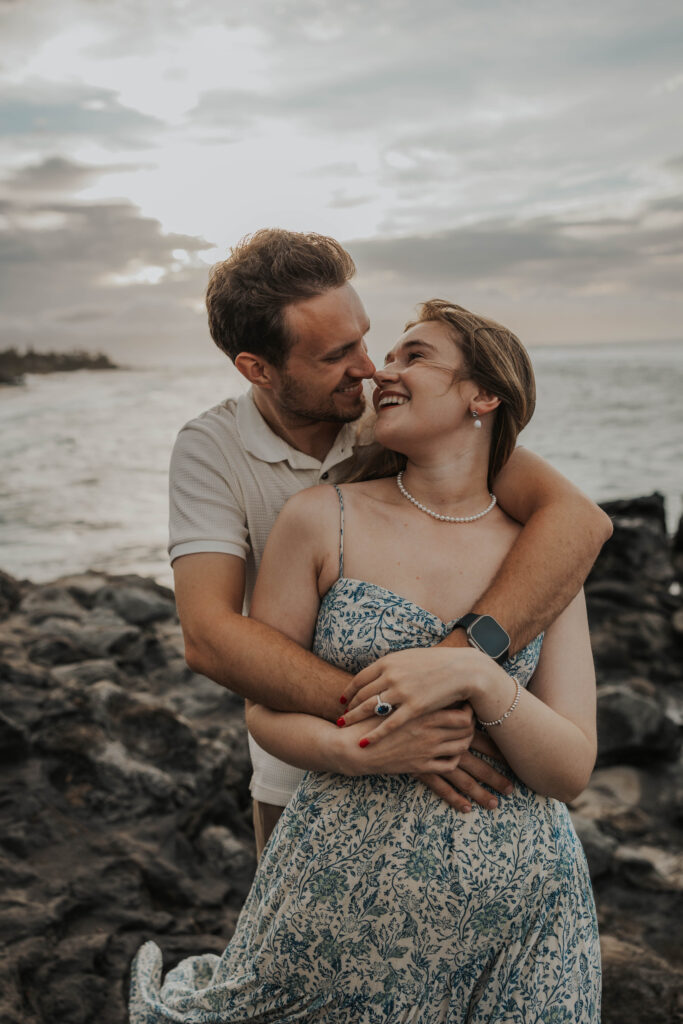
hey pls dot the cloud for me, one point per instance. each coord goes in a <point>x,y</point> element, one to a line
<point>549,279</point>
<point>98,274</point>
<point>341,201</point>
<point>42,110</point>
<point>59,174</point>
<point>675,164</point>
<point>642,251</point>
<point>520,153</point>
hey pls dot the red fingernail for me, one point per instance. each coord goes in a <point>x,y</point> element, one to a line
<point>363,743</point>
<point>342,699</point>
<point>341,721</point>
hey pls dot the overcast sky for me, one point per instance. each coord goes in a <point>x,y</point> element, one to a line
<point>524,158</point>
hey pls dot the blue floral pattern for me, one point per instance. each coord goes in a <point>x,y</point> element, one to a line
<point>375,903</point>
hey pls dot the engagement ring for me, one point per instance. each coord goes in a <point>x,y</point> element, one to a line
<point>383,707</point>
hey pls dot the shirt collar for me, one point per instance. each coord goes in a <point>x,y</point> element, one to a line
<point>264,444</point>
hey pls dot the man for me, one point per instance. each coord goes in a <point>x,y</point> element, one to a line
<point>282,308</point>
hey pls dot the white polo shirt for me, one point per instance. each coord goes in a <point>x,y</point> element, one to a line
<point>230,475</point>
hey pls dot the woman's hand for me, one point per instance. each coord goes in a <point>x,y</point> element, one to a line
<point>415,681</point>
<point>431,743</point>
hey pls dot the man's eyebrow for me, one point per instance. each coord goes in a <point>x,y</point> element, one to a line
<point>340,349</point>
<point>413,343</point>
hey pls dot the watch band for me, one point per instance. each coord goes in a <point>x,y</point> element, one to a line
<point>466,620</point>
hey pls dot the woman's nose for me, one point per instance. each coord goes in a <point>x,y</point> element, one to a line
<point>385,373</point>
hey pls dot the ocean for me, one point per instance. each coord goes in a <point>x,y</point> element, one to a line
<point>84,455</point>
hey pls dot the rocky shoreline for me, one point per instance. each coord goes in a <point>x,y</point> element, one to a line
<point>125,808</point>
<point>14,365</point>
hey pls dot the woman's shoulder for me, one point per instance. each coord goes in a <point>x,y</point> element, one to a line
<point>362,489</point>
<point>308,525</point>
<point>311,509</point>
<point>316,510</point>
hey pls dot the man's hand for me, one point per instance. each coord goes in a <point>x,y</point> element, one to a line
<point>464,785</point>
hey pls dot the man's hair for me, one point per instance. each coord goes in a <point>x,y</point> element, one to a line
<point>264,273</point>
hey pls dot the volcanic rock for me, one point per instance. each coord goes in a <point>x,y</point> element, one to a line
<point>124,804</point>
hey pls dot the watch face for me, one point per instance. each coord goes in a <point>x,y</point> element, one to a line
<point>490,637</point>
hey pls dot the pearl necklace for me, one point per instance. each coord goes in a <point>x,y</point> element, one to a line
<point>435,515</point>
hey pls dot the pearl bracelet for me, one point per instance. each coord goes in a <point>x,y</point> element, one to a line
<point>499,721</point>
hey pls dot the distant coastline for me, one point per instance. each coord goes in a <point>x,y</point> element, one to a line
<point>14,365</point>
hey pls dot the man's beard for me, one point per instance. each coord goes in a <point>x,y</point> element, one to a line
<point>294,399</point>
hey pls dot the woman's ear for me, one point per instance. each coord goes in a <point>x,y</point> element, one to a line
<point>255,369</point>
<point>484,402</point>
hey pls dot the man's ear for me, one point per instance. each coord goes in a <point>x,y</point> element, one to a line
<point>255,369</point>
<point>485,402</point>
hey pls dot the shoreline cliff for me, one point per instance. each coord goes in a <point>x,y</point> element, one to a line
<point>125,811</point>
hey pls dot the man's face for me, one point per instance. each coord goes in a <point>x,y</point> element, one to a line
<point>322,378</point>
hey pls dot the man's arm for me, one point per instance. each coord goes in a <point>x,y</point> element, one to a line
<point>244,655</point>
<point>546,567</point>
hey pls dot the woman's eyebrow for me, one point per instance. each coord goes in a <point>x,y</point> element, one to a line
<point>413,343</point>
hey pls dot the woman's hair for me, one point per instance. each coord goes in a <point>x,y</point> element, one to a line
<point>495,359</point>
<point>266,272</point>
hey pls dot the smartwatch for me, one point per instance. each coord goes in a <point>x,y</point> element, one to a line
<point>484,633</point>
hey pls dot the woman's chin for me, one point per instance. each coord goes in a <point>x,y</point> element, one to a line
<point>387,437</point>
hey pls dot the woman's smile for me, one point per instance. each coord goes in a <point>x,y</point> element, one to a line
<point>383,398</point>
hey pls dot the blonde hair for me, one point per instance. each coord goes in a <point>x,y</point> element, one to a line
<point>497,361</point>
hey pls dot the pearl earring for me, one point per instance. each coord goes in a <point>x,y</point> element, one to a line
<point>477,421</point>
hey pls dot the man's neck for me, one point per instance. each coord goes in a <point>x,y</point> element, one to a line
<point>312,437</point>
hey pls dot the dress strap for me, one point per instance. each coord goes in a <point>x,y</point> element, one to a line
<point>341,531</point>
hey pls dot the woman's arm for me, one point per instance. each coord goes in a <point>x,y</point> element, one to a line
<point>549,740</point>
<point>425,744</point>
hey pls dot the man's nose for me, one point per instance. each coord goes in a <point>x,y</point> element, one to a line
<point>363,366</point>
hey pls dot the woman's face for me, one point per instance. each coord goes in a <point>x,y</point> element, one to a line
<point>420,394</point>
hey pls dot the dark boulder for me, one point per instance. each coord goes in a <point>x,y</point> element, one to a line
<point>639,550</point>
<point>137,605</point>
<point>10,594</point>
<point>639,987</point>
<point>633,725</point>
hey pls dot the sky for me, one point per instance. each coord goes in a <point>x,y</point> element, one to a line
<point>524,159</point>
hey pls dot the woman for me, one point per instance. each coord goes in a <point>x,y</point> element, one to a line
<point>373,900</point>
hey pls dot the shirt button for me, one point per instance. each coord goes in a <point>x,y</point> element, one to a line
<point>325,476</point>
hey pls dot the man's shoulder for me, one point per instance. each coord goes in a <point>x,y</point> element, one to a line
<point>212,438</point>
<point>214,429</point>
<point>222,417</point>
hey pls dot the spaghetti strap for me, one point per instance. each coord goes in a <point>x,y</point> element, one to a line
<point>341,531</point>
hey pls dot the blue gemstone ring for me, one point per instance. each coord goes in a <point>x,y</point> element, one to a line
<point>383,707</point>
